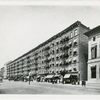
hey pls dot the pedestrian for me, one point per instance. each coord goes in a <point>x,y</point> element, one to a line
<point>29,80</point>
<point>83,83</point>
<point>9,79</point>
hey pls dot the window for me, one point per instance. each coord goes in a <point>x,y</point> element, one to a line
<point>75,32</point>
<point>93,38</point>
<point>52,59</point>
<point>93,72</point>
<point>57,50</point>
<point>60,41</point>
<point>75,52</point>
<point>70,34</point>
<point>94,52</point>
<point>75,42</point>
<point>70,44</point>
<point>74,69</point>
<point>70,52</point>
<point>57,43</point>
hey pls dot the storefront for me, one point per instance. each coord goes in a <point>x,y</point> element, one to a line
<point>71,78</point>
<point>56,79</point>
<point>49,78</point>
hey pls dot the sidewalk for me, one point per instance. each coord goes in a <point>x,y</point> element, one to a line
<point>88,86</point>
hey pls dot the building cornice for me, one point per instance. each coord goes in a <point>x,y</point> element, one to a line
<point>94,60</point>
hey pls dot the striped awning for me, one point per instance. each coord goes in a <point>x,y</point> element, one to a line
<point>56,76</point>
<point>49,76</point>
<point>67,76</point>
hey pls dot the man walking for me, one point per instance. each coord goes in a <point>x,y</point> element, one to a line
<point>83,83</point>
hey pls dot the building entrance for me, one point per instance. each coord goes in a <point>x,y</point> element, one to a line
<point>93,72</point>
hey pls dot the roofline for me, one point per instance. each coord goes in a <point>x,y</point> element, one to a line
<point>77,23</point>
<point>94,29</point>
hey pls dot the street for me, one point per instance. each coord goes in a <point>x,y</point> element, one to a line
<point>19,87</point>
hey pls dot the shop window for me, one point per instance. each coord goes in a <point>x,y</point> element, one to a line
<point>93,72</point>
<point>94,52</point>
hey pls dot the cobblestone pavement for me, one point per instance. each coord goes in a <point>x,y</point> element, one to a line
<point>12,87</point>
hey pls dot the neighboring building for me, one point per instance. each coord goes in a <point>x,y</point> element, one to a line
<point>94,54</point>
<point>5,69</point>
<point>64,52</point>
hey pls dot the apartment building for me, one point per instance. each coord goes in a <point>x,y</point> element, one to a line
<point>66,52</point>
<point>93,54</point>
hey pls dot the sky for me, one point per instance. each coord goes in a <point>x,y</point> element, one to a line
<point>23,27</point>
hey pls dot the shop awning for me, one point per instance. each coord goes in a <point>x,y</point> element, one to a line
<point>49,76</point>
<point>38,76</point>
<point>67,76</point>
<point>74,74</point>
<point>56,76</point>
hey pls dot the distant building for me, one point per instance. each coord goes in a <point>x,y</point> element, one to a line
<point>5,69</point>
<point>2,72</point>
<point>94,54</point>
<point>66,52</point>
